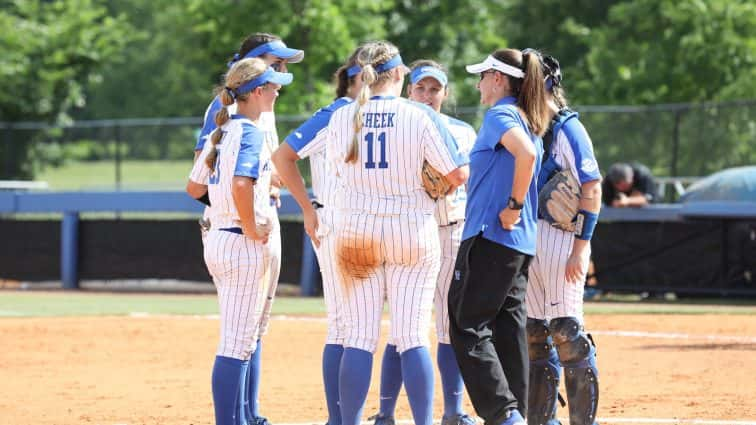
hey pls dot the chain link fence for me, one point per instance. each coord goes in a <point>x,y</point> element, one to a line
<point>673,140</point>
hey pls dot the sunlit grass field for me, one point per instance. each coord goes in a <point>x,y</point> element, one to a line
<point>101,175</point>
<point>85,303</point>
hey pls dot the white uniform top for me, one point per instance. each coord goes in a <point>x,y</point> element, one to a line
<point>397,136</point>
<point>310,140</point>
<point>452,208</point>
<point>243,151</point>
<point>568,151</point>
<point>266,123</point>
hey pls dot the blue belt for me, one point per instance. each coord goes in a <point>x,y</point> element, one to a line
<point>236,230</point>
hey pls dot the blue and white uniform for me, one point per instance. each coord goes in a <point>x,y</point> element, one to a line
<point>386,218</point>
<point>240,266</point>
<point>549,294</point>
<point>450,214</point>
<point>267,124</point>
<point>310,140</point>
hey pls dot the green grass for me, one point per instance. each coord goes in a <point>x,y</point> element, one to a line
<point>100,175</point>
<point>36,304</point>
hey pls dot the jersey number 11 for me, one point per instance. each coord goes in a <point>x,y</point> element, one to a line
<point>381,141</point>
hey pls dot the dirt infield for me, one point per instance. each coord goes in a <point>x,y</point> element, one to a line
<point>156,370</point>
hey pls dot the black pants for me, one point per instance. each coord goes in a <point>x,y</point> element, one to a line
<point>487,326</point>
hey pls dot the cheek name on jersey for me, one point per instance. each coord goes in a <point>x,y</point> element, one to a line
<point>378,119</point>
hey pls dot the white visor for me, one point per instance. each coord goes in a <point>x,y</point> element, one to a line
<point>493,63</point>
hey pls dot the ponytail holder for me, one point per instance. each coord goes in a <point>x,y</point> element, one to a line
<point>234,60</point>
<point>231,92</point>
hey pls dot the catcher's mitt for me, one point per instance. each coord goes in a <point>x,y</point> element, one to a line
<point>559,199</point>
<point>435,184</point>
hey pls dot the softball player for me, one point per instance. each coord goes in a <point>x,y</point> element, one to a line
<point>235,168</point>
<point>309,140</point>
<point>487,294</point>
<point>558,272</point>
<point>386,237</point>
<point>429,86</point>
<point>274,52</point>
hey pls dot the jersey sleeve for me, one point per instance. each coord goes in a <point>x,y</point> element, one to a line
<point>200,171</point>
<point>208,125</point>
<point>440,148</point>
<point>250,147</point>
<point>309,138</point>
<point>499,121</point>
<point>582,148</point>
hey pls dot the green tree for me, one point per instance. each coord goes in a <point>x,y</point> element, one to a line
<point>49,52</point>
<point>663,51</point>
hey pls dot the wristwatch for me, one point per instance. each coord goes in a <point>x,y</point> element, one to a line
<point>512,204</point>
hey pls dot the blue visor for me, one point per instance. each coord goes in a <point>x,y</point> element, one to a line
<point>269,76</point>
<point>353,70</point>
<point>390,64</point>
<point>428,71</point>
<point>276,48</point>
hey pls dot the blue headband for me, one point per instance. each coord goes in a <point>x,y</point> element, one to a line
<point>269,76</point>
<point>428,71</point>
<point>390,64</point>
<point>353,70</point>
<point>276,48</point>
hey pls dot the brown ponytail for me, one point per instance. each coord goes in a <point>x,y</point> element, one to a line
<point>529,91</point>
<point>532,97</point>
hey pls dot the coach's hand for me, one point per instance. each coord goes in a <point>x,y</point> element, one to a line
<point>508,218</point>
<point>311,225</point>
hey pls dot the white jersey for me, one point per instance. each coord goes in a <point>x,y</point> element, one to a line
<point>397,136</point>
<point>549,294</point>
<point>451,208</point>
<point>243,151</point>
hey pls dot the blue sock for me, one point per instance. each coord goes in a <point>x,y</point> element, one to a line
<point>451,380</point>
<point>417,372</point>
<point>331,364</point>
<point>241,405</point>
<point>225,384</point>
<point>391,380</point>
<point>354,382</point>
<point>252,392</point>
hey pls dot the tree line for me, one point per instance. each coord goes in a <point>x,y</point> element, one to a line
<point>63,60</point>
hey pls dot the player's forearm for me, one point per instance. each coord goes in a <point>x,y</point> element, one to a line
<point>590,196</point>
<point>243,192</point>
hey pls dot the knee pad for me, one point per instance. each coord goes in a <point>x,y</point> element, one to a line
<point>578,355</point>
<point>539,339</point>
<point>571,342</point>
<point>544,374</point>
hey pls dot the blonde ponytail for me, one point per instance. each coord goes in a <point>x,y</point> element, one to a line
<point>368,77</point>
<point>221,117</point>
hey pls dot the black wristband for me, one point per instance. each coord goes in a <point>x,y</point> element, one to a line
<point>205,199</point>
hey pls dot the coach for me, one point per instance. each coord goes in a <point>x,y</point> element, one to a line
<point>486,299</point>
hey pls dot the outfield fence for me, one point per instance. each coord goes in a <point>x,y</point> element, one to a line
<point>674,140</point>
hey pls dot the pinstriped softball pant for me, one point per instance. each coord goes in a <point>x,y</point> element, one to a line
<point>403,257</point>
<point>239,267</point>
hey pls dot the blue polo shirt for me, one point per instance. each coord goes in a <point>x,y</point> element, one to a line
<point>490,184</point>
